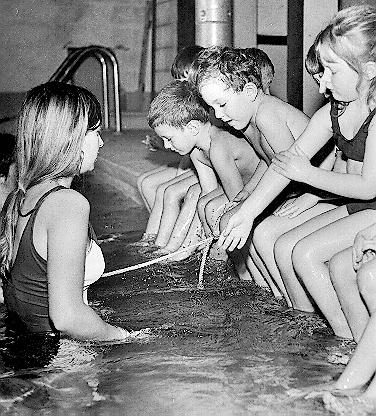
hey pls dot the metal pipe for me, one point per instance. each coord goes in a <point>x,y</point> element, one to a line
<point>106,110</point>
<point>115,70</point>
<point>70,64</point>
<point>214,22</point>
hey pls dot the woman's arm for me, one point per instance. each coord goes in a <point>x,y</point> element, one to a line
<point>67,235</point>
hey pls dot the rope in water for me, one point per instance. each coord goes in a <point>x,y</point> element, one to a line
<point>207,243</point>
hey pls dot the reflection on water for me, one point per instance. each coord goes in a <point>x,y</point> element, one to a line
<point>229,349</point>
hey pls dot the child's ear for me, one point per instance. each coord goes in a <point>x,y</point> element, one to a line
<point>370,70</point>
<point>251,90</point>
<point>194,127</point>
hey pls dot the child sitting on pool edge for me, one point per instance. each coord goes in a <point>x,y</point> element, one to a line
<point>152,184</point>
<point>228,82</point>
<point>179,117</point>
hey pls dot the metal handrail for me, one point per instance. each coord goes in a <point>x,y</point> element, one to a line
<point>76,58</point>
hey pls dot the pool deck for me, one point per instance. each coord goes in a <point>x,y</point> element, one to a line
<point>124,157</point>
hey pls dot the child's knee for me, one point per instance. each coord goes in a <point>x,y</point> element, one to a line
<point>366,277</point>
<point>201,204</point>
<point>193,191</point>
<point>262,236</point>
<point>169,195</point>
<point>224,221</point>
<point>337,268</point>
<point>283,248</point>
<point>302,255</point>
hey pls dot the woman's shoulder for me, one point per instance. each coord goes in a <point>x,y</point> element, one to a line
<point>66,203</point>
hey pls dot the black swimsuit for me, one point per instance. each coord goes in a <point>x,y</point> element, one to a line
<point>26,286</point>
<point>353,149</point>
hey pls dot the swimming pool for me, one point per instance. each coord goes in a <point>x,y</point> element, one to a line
<point>230,349</point>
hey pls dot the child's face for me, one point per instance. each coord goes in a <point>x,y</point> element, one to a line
<point>234,108</point>
<point>178,140</point>
<point>338,77</point>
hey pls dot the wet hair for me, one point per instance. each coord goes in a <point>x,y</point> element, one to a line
<point>183,61</point>
<point>351,35</point>
<point>232,66</point>
<point>176,105</point>
<point>7,157</point>
<point>263,65</point>
<point>52,125</point>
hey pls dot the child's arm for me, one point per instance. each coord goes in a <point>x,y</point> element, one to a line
<point>184,164</point>
<point>252,183</point>
<point>224,165</point>
<point>317,133</point>
<point>206,175</point>
<point>273,123</point>
<point>293,207</point>
<point>295,165</point>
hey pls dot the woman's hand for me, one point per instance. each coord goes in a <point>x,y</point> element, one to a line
<point>294,165</point>
<point>295,206</point>
<point>236,232</point>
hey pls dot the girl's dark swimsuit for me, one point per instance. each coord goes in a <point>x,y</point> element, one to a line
<point>353,149</point>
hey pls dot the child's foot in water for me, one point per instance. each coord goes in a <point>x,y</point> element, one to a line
<point>349,405</point>
<point>145,241</point>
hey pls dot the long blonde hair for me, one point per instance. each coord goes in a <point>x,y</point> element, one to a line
<point>53,122</point>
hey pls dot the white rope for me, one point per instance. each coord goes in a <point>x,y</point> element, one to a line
<point>227,206</point>
<point>207,241</point>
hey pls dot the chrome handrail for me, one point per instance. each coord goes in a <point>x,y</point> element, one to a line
<point>76,58</point>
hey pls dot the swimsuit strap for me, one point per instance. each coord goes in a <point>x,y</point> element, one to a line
<point>40,200</point>
<point>334,117</point>
<point>368,120</point>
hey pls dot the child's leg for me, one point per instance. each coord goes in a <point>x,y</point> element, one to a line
<point>173,197</point>
<point>311,254</point>
<point>202,208</point>
<point>362,365</point>
<point>195,234</point>
<point>344,280</point>
<point>183,225</point>
<point>260,273</point>
<point>148,182</point>
<point>155,217</point>
<point>265,238</point>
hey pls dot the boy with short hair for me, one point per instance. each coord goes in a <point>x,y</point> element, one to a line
<point>179,116</point>
<point>228,81</point>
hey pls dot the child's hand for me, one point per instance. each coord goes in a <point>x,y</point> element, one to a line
<point>295,166</point>
<point>363,251</point>
<point>293,207</point>
<point>236,232</point>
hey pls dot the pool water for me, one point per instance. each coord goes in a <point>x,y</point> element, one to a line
<point>227,350</point>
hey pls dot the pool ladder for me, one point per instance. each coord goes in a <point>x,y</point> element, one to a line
<point>105,56</point>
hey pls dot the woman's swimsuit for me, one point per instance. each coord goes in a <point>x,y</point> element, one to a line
<point>26,286</point>
<point>353,149</point>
